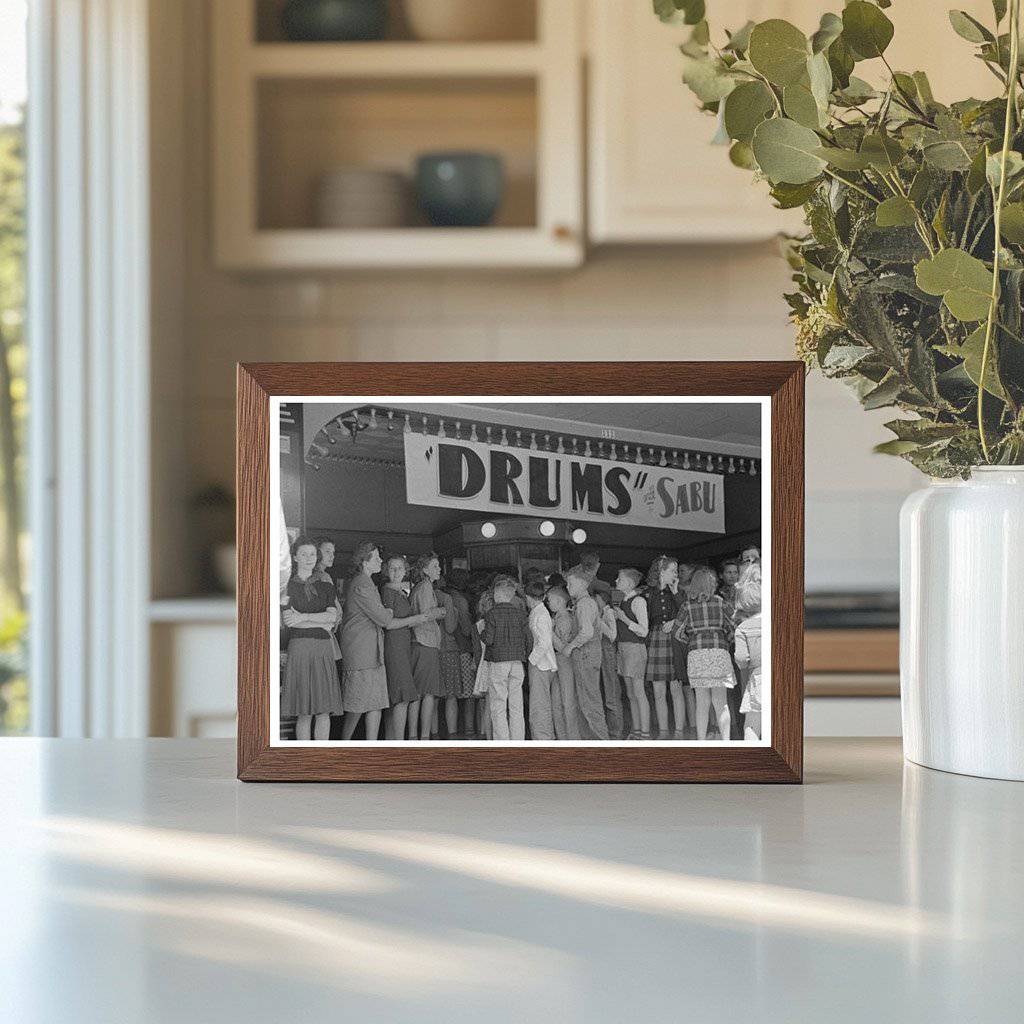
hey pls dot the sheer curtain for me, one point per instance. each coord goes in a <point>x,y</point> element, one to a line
<point>88,307</point>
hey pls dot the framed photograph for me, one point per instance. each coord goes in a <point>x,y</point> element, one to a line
<point>518,572</point>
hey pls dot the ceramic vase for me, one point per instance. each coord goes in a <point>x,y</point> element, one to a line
<point>962,624</point>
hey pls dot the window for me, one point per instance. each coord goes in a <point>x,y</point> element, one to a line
<point>14,689</point>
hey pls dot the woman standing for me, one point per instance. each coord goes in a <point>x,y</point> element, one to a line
<point>322,574</point>
<point>404,700</point>
<point>426,639</point>
<point>706,627</point>
<point>310,689</point>
<point>458,671</point>
<point>364,680</point>
<point>662,606</point>
<point>684,706</point>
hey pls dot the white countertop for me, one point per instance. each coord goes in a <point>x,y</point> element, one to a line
<point>140,882</point>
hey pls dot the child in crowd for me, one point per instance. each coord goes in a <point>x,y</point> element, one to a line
<point>748,648</point>
<point>631,654</point>
<point>543,663</point>
<point>585,649</point>
<point>730,577</point>
<point>707,629</point>
<point>610,685</point>
<point>563,697</point>
<point>507,643</point>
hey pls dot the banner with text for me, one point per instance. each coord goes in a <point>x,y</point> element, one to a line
<point>450,473</point>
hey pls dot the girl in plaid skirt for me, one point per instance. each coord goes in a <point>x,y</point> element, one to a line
<point>662,606</point>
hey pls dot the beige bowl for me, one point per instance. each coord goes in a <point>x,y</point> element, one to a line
<point>471,20</point>
<point>362,198</point>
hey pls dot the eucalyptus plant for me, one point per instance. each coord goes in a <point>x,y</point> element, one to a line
<point>910,277</point>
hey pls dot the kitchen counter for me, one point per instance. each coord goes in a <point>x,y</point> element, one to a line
<point>141,882</point>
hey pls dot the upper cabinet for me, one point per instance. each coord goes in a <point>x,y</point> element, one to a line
<point>316,144</point>
<point>654,176</point>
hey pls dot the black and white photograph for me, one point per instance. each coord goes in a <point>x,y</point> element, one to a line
<point>541,570</point>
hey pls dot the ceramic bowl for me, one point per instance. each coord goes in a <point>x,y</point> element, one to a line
<point>333,21</point>
<point>470,20</point>
<point>460,189</point>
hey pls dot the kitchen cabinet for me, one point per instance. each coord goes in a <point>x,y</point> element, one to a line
<point>287,114</point>
<point>654,177</point>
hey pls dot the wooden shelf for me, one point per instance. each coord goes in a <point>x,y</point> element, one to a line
<point>393,60</point>
<point>318,248</point>
<point>285,113</point>
<point>852,650</point>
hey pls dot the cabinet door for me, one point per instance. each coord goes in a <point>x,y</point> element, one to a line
<point>654,177</point>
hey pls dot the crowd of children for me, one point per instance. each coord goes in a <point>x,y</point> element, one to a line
<point>671,654</point>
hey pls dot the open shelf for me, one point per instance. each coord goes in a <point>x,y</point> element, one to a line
<point>388,60</point>
<point>309,127</point>
<point>286,114</point>
<point>520,22</point>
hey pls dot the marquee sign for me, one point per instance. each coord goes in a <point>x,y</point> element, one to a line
<point>487,478</point>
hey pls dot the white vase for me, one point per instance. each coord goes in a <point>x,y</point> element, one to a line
<point>962,624</point>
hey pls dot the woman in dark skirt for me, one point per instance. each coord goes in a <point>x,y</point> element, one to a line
<point>458,670</point>
<point>426,639</point>
<point>662,606</point>
<point>310,689</point>
<point>405,699</point>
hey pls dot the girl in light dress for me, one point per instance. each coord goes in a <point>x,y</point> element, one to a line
<point>707,629</point>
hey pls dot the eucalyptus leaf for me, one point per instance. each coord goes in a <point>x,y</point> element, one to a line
<point>972,351</point>
<point>993,167</point>
<point>1012,223</point>
<point>689,12</point>
<point>999,9</point>
<point>819,75</point>
<point>924,88</point>
<point>801,106</point>
<point>947,156</point>
<point>885,394</point>
<point>741,155</point>
<point>788,196</point>
<point>787,152</point>
<point>739,41</point>
<point>895,212</point>
<point>976,174</point>
<point>829,30</point>
<point>779,51</point>
<point>963,281</point>
<point>707,78</point>
<point>844,159</point>
<point>841,62</point>
<point>866,29</point>
<point>883,152</point>
<point>745,108</point>
<point>969,28</point>
<point>895,447</point>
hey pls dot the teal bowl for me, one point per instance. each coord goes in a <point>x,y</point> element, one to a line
<point>460,189</point>
<point>334,21</point>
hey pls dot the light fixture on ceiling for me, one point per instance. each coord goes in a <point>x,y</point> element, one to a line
<point>488,530</point>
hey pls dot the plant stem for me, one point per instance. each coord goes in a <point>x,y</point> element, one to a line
<point>853,185</point>
<point>1011,108</point>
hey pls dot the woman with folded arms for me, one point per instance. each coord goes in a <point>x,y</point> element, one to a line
<point>310,689</point>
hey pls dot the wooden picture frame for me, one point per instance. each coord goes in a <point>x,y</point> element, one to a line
<point>781,760</point>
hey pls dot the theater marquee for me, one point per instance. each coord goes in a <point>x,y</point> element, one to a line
<point>491,478</point>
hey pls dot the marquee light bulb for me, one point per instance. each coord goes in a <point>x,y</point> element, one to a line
<point>488,530</point>
<point>547,528</point>
<point>579,536</point>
